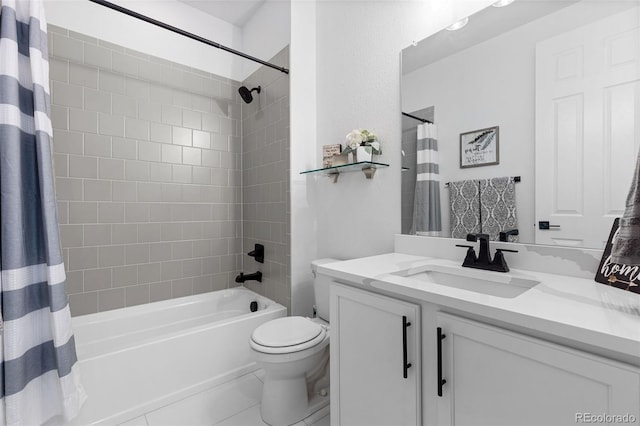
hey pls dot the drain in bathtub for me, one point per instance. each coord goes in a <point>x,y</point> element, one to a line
<point>253,306</point>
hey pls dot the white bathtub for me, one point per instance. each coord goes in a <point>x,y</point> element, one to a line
<point>137,359</point>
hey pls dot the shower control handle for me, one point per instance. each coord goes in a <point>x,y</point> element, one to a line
<point>257,253</point>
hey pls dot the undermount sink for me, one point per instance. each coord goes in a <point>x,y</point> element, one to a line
<point>492,283</point>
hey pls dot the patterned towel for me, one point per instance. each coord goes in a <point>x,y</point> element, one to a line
<point>464,203</point>
<point>498,207</point>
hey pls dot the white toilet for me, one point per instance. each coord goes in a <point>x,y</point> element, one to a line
<point>294,353</point>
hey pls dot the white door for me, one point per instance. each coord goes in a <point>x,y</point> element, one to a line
<point>497,377</point>
<point>371,381</point>
<point>587,128</point>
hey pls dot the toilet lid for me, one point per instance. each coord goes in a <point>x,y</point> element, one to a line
<point>287,331</point>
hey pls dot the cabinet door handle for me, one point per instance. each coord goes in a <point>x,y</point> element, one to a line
<point>441,381</point>
<point>405,365</point>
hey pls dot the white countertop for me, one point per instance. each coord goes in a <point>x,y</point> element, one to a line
<point>579,309</point>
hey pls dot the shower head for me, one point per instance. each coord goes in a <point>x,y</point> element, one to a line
<point>245,93</point>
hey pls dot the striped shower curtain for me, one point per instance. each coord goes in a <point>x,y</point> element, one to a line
<point>427,218</point>
<point>39,378</point>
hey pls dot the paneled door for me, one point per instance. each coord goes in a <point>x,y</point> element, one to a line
<point>587,128</point>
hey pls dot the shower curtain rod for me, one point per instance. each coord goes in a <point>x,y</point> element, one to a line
<point>417,118</point>
<point>186,33</point>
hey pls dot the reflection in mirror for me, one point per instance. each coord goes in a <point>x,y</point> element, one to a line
<point>561,81</point>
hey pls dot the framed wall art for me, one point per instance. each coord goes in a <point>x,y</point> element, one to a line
<point>480,148</point>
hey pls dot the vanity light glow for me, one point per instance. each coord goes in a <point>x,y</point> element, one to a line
<point>458,25</point>
<point>502,3</point>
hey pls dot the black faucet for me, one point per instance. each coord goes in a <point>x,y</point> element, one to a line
<point>248,277</point>
<point>483,260</point>
<point>504,235</point>
<point>484,256</point>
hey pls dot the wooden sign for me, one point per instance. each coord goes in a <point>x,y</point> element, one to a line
<point>328,153</point>
<point>625,277</point>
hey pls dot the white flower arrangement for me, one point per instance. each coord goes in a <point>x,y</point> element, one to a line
<point>365,138</point>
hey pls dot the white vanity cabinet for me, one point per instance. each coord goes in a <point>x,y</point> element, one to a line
<point>375,359</point>
<point>498,377</point>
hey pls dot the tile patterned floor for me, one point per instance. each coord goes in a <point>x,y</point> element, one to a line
<point>235,403</point>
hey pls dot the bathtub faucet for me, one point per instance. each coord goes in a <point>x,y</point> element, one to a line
<point>255,276</point>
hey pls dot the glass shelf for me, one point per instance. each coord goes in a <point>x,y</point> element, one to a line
<point>367,167</point>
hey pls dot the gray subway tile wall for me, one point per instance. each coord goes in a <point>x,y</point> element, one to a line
<point>265,175</point>
<point>148,173</point>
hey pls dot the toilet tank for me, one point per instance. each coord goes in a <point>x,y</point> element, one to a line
<point>321,288</point>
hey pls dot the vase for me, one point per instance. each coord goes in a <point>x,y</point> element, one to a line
<point>363,155</point>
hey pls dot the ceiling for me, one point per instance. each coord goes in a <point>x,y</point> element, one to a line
<point>236,12</point>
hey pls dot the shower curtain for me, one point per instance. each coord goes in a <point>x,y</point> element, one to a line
<point>39,378</point>
<point>427,218</point>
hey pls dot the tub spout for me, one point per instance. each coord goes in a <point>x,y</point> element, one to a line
<point>248,277</point>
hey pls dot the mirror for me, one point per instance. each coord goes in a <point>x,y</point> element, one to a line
<point>559,84</point>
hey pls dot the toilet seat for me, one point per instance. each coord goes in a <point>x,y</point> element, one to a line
<point>287,335</point>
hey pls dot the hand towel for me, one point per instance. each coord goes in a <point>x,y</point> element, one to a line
<point>464,203</point>
<point>498,207</point>
<point>626,247</point>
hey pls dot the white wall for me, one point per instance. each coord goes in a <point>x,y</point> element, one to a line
<point>357,48</point>
<point>98,21</point>
<point>266,33</point>
<point>303,155</point>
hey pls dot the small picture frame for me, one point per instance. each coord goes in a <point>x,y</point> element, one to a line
<point>330,154</point>
<point>480,148</point>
